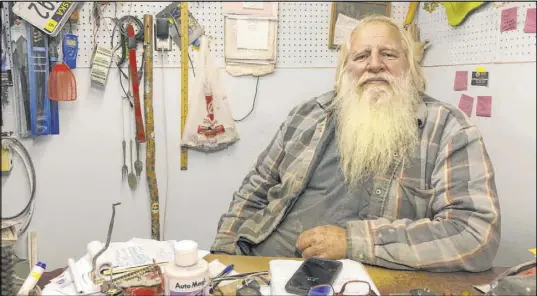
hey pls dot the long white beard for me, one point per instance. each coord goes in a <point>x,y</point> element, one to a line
<point>375,124</point>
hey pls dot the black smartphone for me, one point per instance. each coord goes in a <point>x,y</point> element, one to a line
<point>313,272</point>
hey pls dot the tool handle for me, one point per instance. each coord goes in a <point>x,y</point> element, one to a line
<point>140,134</point>
<point>124,144</point>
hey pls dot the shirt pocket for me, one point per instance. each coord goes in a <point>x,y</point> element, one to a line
<point>415,201</point>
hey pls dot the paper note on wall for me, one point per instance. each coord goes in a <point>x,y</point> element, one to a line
<point>252,34</point>
<point>509,19</point>
<point>484,106</point>
<point>529,27</point>
<point>252,5</point>
<point>466,104</point>
<point>344,26</point>
<point>461,80</point>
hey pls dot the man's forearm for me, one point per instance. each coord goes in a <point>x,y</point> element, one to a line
<point>438,245</point>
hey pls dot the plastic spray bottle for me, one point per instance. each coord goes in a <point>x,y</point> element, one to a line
<point>187,274</point>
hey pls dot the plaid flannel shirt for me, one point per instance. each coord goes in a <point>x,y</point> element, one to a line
<point>438,212</point>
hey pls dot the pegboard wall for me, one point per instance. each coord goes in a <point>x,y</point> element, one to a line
<point>303,34</point>
<point>478,39</point>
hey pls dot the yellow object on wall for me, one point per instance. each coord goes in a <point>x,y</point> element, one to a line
<point>457,11</point>
<point>7,164</point>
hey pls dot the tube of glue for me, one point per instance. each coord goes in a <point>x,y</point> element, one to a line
<point>32,279</point>
<point>75,275</point>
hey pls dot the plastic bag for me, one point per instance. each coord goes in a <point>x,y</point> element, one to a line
<point>209,124</point>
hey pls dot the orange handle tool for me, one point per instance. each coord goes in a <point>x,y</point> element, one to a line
<point>140,134</point>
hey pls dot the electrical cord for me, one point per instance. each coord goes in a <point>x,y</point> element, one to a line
<point>24,216</point>
<point>253,103</point>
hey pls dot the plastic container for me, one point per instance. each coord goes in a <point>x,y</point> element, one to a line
<point>32,279</point>
<point>187,274</point>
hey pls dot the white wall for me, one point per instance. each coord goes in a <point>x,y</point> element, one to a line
<point>79,171</point>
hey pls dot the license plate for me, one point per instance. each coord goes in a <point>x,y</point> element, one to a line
<point>47,16</point>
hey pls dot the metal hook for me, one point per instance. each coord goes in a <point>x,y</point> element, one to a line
<point>110,228</point>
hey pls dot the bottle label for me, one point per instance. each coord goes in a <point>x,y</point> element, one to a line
<point>189,287</point>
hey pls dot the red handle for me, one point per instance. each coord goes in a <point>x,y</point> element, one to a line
<point>140,134</point>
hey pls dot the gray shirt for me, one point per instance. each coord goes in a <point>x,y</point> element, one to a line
<point>326,201</point>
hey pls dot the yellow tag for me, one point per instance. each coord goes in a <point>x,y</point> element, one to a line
<point>6,160</point>
<point>481,69</point>
<point>534,251</point>
<point>51,25</point>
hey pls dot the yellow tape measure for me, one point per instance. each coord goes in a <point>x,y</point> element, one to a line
<point>184,78</point>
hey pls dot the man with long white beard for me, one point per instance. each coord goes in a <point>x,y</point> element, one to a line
<point>374,171</point>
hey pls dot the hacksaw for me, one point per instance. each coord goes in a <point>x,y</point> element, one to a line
<point>150,127</point>
<point>184,79</point>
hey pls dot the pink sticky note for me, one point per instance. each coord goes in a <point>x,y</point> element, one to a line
<point>509,19</point>
<point>466,104</point>
<point>529,27</point>
<point>461,80</point>
<point>483,107</point>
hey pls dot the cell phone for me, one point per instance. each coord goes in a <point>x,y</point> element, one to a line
<point>313,272</point>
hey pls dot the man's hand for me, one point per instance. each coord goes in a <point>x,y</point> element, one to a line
<point>329,242</point>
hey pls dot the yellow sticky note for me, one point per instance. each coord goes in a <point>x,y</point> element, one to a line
<point>481,69</point>
<point>534,251</point>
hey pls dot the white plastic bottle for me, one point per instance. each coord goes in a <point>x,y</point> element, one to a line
<point>33,278</point>
<point>187,275</point>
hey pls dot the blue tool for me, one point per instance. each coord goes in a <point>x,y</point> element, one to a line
<point>70,49</point>
<point>226,270</point>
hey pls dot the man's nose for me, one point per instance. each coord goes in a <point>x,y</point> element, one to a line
<point>375,63</point>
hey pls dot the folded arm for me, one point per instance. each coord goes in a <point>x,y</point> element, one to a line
<point>464,233</point>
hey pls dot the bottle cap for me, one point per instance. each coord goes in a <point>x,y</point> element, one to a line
<point>186,253</point>
<point>41,264</point>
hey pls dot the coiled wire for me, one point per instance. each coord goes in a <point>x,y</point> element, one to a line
<point>24,216</point>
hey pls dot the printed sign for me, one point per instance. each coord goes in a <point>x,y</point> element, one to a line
<point>480,78</point>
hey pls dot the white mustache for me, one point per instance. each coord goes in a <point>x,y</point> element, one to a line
<point>365,80</point>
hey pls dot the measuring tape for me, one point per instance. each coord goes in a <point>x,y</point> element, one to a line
<point>184,79</point>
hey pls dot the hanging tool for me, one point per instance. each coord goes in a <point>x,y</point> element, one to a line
<point>62,82</point>
<point>184,79</point>
<point>124,168</point>
<point>108,238</point>
<point>131,179</point>
<point>138,165</point>
<point>140,134</point>
<point>418,47</point>
<point>150,126</point>
<point>70,49</point>
<point>411,13</point>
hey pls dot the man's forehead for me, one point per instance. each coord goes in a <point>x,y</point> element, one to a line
<point>376,35</point>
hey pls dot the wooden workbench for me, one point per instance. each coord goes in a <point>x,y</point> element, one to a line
<point>387,280</point>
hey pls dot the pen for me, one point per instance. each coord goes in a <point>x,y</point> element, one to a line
<point>226,270</point>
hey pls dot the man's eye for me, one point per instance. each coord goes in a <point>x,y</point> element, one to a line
<point>359,57</point>
<point>389,55</point>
